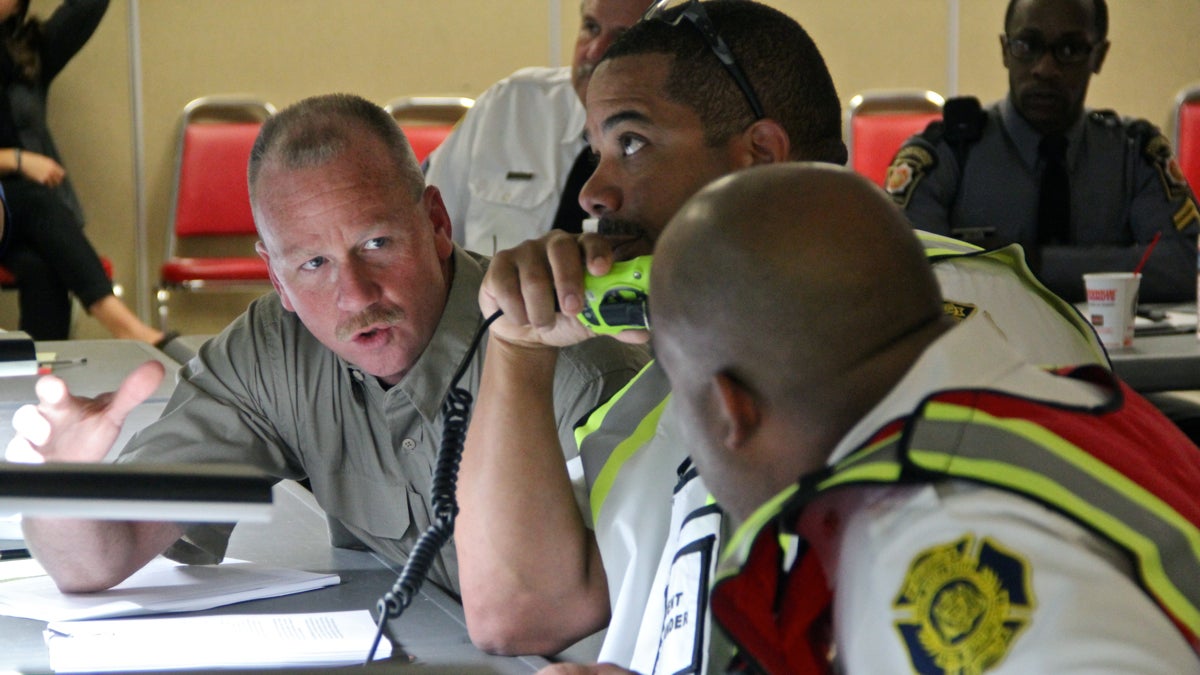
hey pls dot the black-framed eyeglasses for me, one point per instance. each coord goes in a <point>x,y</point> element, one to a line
<point>674,11</point>
<point>1067,51</point>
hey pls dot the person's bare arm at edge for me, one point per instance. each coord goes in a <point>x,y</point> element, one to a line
<point>532,581</point>
<point>88,555</point>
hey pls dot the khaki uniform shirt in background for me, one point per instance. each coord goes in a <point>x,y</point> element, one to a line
<point>267,393</point>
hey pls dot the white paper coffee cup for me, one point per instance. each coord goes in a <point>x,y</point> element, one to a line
<point>1112,299</point>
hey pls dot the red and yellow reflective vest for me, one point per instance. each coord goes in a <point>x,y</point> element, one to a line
<point>1121,470</point>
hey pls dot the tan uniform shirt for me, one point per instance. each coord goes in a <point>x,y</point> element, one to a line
<point>267,393</point>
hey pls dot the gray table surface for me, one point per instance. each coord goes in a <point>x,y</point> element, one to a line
<point>1159,363</point>
<point>108,362</point>
<point>432,630</point>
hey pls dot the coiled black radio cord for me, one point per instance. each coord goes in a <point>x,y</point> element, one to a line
<point>456,412</point>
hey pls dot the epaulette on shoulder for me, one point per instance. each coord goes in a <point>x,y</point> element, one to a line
<point>1106,118</point>
<point>1142,132</point>
<point>1155,149</point>
<point>934,133</point>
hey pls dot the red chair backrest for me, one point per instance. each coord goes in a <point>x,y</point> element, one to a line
<point>1188,134</point>
<point>426,137</point>
<point>212,197</point>
<point>877,136</point>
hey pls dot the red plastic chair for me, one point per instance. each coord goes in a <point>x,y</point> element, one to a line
<point>427,120</point>
<point>212,202</point>
<point>1187,134</point>
<point>878,123</point>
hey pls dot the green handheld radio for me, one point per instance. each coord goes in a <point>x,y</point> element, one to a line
<point>617,301</point>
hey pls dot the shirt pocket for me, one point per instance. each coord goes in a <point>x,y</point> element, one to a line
<point>368,503</point>
<point>513,188</point>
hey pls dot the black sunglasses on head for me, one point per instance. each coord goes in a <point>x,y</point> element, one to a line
<point>675,11</point>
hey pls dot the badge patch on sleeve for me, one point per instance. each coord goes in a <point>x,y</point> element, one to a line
<point>1186,215</point>
<point>1158,152</point>
<point>906,171</point>
<point>962,605</point>
<point>957,310</point>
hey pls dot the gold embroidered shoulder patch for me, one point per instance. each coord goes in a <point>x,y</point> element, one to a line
<point>1159,153</point>
<point>911,164</point>
<point>957,310</point>
<point>962,605</point>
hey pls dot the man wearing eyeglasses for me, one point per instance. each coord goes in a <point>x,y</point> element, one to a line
<point>694,92</point>
<point>512,168</point>
<point>1081,191</point>
<point>669,109</point>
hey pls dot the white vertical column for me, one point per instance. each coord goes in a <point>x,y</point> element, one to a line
<point>142,239</point>
<point>554,16</point>
<point>953,30</point>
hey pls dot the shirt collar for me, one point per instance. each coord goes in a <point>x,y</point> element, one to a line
<point>429,380</point>
<point>940,367</point>
<point>1026,138</point>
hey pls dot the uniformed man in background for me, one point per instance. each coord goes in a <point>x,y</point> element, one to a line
<point>513,166</point>
<point>1080,190</point>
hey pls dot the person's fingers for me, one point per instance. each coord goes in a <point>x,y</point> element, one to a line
<point>20,451</point>
<point>30,425</point>
<point>501,288</point>
<point>51,392</point>
<point>633,337</point>
<point>537,288</point>
<point>598,253</point>
<point>566,266</point>
<point>136,388</point>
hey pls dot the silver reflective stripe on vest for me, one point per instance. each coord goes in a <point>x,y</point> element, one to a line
<point>970,444</point>
<point>625,422</point>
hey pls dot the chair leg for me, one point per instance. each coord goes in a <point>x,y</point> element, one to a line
<point>163,297</point>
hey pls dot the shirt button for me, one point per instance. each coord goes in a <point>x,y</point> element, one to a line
<point>408,444</point>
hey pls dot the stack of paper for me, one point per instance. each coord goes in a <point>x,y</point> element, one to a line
<point>161,586</point>
<point>274,640</point>
<point>1165,321</point>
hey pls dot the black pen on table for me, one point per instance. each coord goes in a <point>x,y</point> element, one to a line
<point>64,362</point>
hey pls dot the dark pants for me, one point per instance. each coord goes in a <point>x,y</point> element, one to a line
<point>50,256</point>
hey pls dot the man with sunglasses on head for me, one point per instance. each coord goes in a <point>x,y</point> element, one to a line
<point>693,92</point>
<point>1080,190</point>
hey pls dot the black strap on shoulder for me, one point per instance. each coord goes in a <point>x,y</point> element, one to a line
<point>963,119</point>
<point>1142,132</point>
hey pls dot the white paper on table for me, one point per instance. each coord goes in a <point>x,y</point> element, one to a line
<point>10,524</point>
<point>1172,322</point>
<point>325,639</point>
<point>20,569</point>
<point>161,586</point>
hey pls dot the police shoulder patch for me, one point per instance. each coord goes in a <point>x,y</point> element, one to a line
<point>962,605</point>
<point>957,310</point>
<point>911,164</point>
<point>1156,150</point>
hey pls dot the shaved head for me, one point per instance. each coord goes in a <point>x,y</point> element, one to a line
<point>802,286</point>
